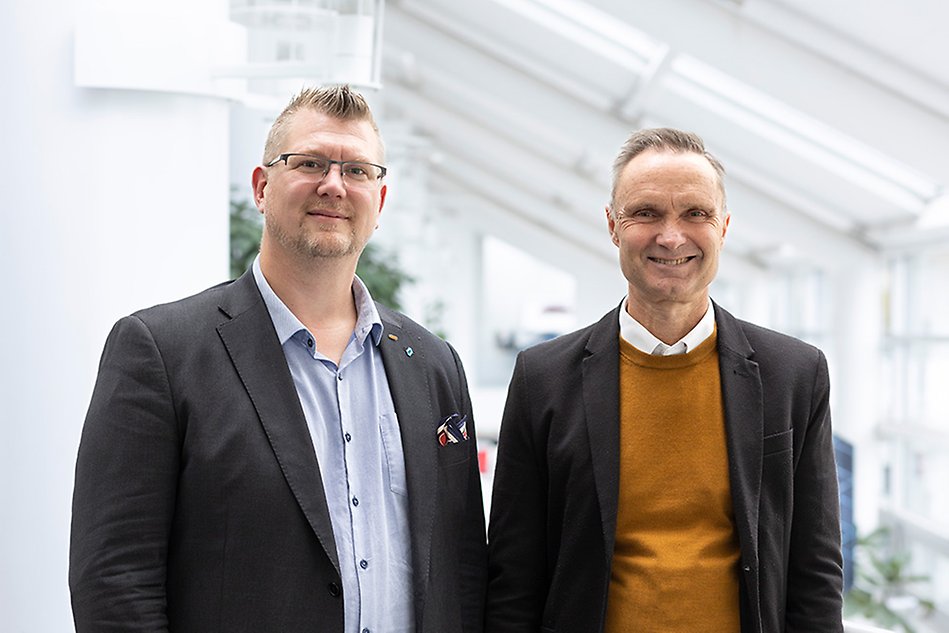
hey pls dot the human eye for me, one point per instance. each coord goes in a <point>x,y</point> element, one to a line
<point>357,171</point>
<point>641,214</point>
<point>309,164</point>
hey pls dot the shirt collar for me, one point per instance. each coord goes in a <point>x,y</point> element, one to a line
<point>287,324</point>
<point>636,334</point>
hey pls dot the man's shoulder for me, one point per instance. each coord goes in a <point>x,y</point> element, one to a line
<point>602,335</point>
<point>412,330</point>
<point>767,344</point>
<point>189,320</point>
<point>763,335</point>
<point>207,301</point>
<point>185,327</point>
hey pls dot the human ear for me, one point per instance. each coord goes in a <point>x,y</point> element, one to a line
<point>259,183</point>
<point>611,223</point>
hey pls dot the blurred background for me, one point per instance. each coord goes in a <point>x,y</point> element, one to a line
<point>129,130</point>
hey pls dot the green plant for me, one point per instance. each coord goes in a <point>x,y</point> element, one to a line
<point>883,582</point>
<point>378,269</point>
<point>245,229</point>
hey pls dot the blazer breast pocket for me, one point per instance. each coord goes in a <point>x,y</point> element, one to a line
<point>453,454</point>
<point>452,437</point>
<point>395,456</point>
<point>778,442</point>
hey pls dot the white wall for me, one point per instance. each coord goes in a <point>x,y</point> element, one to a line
<point>115,200</point>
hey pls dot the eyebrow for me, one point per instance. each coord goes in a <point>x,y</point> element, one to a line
<point>689,205</point>
<point>360,158</point>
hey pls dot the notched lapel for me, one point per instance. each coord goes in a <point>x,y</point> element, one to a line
<point>601,412</point>
<point>258,358</point>
<point>404,359</point>
<point>744,426</point>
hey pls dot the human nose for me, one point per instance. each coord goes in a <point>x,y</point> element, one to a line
<point>331,184</point>
<point>671,235</point>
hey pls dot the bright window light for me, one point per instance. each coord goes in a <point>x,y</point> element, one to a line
<point>590,28</point>
<point>806,136</point>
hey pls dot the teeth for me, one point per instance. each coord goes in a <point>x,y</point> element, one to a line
<point>671,262</point>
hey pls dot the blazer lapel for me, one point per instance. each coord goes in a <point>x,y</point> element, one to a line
<point>404,362</point>
<point>254,349</point>
<point>600,369</point>
<point>744,428</point>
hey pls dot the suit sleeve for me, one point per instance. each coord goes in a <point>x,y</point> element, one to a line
<point>473,550</point>
<point>124,494</point>
<point>815,570</point>
<point>517,532</point>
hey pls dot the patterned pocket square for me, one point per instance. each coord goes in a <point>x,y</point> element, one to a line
<point>453,429</point>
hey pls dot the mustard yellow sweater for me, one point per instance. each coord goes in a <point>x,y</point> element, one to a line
<point>675,564</point>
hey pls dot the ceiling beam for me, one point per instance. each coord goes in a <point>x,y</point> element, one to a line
<point>786,21</point>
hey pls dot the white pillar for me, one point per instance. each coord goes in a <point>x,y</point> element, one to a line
<point>115,200</point>
<point>855,362</point>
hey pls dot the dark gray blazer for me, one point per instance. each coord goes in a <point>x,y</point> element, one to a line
<point>553,513</point>
<point>198,504</point>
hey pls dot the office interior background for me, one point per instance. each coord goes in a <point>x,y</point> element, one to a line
<point>130,129</point>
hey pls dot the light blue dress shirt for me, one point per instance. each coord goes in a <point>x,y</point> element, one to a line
<point>352,422</point>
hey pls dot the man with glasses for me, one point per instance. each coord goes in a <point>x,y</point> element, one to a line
<point>280,453</point>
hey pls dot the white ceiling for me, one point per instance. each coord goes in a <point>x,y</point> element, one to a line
<point>831,117</point>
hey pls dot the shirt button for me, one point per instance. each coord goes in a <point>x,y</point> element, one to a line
<point>355,501</point>
<point>747,568</point>
<point>333,589</point>
<point>349,438</point>
<point>339,376</point>
<point>309,342</point>
<point>365,631</point>
<point>364,564</point>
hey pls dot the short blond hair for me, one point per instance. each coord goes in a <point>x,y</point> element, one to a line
<point>338,101</point>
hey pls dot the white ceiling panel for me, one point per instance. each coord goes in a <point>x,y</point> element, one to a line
<point>834,140</point>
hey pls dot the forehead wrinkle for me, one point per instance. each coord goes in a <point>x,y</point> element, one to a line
<point>349,157</point>
<point>351,140</point>
<point>679,197</point>
<point>661,170</point>
<point>687,198</point>
<point>333,145</point>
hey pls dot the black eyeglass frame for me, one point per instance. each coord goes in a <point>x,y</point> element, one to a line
<point>329,163</point>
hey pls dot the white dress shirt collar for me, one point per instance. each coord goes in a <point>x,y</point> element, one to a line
<point>636,334</point>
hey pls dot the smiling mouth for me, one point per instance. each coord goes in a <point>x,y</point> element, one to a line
<point>327,214</point>
<point>672,262</point>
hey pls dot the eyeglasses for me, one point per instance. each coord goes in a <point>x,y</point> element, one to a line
<point>355,173</point>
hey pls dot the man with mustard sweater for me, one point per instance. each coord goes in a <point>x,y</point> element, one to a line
<point>669,468</point>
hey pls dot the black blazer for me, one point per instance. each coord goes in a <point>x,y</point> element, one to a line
<point>198,503</point>
<point>553,512</point>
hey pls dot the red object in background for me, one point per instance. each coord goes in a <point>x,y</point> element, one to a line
<point>483,461</point>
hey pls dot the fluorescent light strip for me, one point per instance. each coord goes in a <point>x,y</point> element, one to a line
<point>576,26</point>
<point>487,44</point>
<point>605,25</point>
<point>818,155</point>
<point>779,115</point>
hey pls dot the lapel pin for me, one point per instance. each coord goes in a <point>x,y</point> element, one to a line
<point>409,351</point>
<point>393,337</point>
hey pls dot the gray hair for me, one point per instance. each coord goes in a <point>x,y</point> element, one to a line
<point>663,139</point>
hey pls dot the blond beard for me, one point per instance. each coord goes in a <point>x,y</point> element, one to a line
<point>313,244</point>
